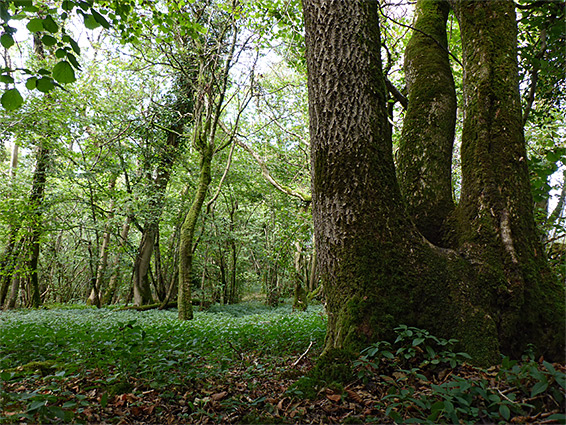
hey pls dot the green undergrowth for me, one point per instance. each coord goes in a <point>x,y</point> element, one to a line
<point>117,351</point>
<point>420,378</point>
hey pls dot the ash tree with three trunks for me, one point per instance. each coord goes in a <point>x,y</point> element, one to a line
<point>393,245</point>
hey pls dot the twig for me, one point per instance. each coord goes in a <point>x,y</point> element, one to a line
<point>303,355</point>
<point>239,353</point>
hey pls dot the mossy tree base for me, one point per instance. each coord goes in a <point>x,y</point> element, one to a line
<point>490,290</point>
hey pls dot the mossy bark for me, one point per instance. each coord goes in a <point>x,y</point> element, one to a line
<point>495,215</point>
<point>187,235</point>
<point>425,152</point>
<point>377,269</point>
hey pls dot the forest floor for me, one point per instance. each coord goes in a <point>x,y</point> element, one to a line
<point>249,364</point>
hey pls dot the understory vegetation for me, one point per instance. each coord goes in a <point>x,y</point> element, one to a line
<point>248,363</point>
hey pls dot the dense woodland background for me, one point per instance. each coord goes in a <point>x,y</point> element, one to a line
<point>157,155</point>
<point>100,174</point>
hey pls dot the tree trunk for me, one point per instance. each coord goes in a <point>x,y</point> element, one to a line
<point>495,214</point>
<point>142,290</point>
<point>377,269</point>
<point>188,232</point>
<point>425,152</point>
<point>36,201</point>
<point>101,270</point>
<point>113,283</point>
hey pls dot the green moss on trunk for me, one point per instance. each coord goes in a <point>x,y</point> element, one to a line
<point>187,235</point>
<point>425,152</point>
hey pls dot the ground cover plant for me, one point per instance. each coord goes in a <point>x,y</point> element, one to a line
<point>249,363</point>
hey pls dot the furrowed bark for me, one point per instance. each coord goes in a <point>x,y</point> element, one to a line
<point>497,227</point>
<point>376,268</point>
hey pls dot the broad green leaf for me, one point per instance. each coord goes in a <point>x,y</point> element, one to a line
<point>539,388</point>
<point>75,46</point>
<point>67,5</point>
<point>45,84</point>
<point>36,405</point>
<point>63,72</point>
<point>11,99</point>
<point>4,13</point>
<point>7,40</point>
<point>48,40</point>
<point>31,83</point>
<point>90,22</point>
<point>504,412</point>
<point>50,25</point>
<point>35,25</point>
<point>6,79</point>
<point>60,53</point>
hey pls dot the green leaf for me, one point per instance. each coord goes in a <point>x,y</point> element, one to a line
<point>60,53</point>
<point>558,417</point>
<point>71,58</point>
<point>90,22</point>
<point>63,72</point>
<point>104,400</point>
<point>11,99</point>
<point>35,405</point>
<point>75,46</point>
<point>504,412</point>
<point>539,388</point>
<point>6,79</point>
<point>4,14</point>
<point>45,84</point>
<point>35,25</point>
<point>417,341</point>
<point>100,19</point>
<point>48,40</point>
<point>67,5</point>
<point>6,40</point>
<point>50,25</point>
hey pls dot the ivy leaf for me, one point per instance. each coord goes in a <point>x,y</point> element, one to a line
<point>63,72</point>
<point>6,40</point>
<point>35,25</point>
<point>11,99</point>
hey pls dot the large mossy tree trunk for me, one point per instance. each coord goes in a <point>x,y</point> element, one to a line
<point>425,152</point>
<point>377,269</point>
<point>495,214</point>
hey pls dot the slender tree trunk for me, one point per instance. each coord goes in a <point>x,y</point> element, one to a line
<point>188,232</point>
<point>142,290</point>
<point>425,152</point>
<point>102,268</point>
<point>36,201</point>
<point>113,283</point>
